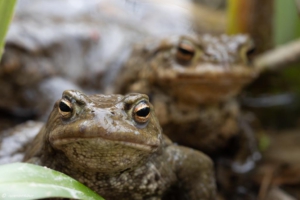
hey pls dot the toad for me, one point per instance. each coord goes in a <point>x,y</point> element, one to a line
<point>114,145</point>
<point>192,83</point>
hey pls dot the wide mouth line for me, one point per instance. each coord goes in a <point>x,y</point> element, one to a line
<point>210,74</point>
<point>66,140</point>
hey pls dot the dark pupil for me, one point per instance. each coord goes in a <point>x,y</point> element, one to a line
<point>143,112</point>
<point>186,52</point>
<point>64,107</point>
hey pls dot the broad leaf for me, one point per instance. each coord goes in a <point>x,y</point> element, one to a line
<point>27,181</point>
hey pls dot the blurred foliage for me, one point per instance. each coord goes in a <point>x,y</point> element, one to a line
<point>28,181</point>
<point>291,75</point>
<point>264,142</point>
<point>6,13</point>
<point>286,21</point>
<point>287,28</point>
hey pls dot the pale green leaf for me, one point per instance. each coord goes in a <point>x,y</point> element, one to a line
<point>27,181</point>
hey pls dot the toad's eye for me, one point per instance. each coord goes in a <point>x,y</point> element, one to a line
<point>185,52</point>
<point>141,112</point>
<point>65,108</point>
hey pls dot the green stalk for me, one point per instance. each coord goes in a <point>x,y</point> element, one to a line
<point>6,13</point>
<point>254,17</point>
<point>232,15</point>
<point>238,13</point>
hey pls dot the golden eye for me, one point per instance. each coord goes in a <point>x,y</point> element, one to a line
<point>65,108</point>
<point>185,52</point>
<point>141,112</point>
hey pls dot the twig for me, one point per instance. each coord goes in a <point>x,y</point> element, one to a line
<point>266,183</point>
<point>280,57</point>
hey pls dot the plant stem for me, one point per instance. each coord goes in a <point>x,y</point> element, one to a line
<point>254,17</point>
<point>6,13</point>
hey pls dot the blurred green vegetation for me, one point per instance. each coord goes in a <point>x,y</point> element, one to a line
<point>285,17</point>
<point>286,22</point>
<point>286,29</point>
<point>6,13</point>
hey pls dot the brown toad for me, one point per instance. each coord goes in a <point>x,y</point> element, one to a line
<point>192,83</point>
<point>114,145</point>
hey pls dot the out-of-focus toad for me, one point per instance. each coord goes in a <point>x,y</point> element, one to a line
<point>192,83</point>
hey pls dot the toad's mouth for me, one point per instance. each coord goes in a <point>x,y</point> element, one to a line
<point>207,71</point>
<point>100,142</point>
<point>214,78</point>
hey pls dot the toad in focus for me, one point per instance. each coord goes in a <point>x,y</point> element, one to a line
<point>114,145</point>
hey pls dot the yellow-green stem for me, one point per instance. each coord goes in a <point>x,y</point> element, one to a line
<point>6,13</point>
<point>232,13</point>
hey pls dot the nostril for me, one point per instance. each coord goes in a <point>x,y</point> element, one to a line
<point>113,113</point>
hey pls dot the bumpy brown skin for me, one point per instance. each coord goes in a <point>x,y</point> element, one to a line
<point>192,83</point>
<point>101,144</point>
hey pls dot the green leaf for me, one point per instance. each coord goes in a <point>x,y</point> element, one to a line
<point>6,13</point>
<point>27,181</point>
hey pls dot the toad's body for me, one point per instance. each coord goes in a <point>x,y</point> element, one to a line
<point>114,145</point>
